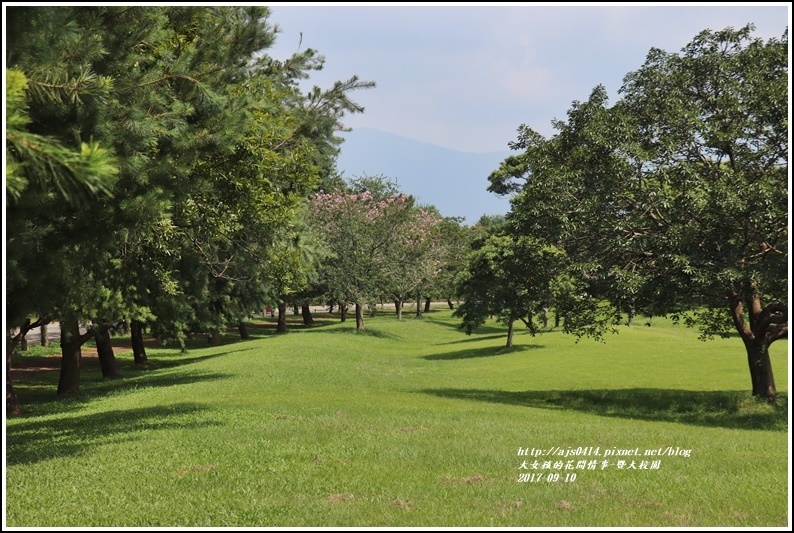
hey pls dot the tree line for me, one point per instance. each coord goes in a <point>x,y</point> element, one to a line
<point>673,201</point>
<point>164,172</point>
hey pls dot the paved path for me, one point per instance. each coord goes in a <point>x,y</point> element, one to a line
<point>53,333</point>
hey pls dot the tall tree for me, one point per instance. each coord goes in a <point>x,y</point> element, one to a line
<point>153,85</point>
<point>675,198</point>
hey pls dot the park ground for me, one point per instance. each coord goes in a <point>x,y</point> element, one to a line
<point>409,423</point>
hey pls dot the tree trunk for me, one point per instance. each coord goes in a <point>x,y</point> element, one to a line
<point>282,317</point>
<point>13,406</point>
<point>509,334</point>
<point>23,344</point>
<point>398,306</point>
<point>359,317</point>
<point>419,303</point>
<point>631,314</point>
<point>71,341</point>
<point>12,402</point>
<point>214,338</point>
<point>295,310</point>
<point>342,312</point>
<point>427,305</point>
<point>45,337</point>
<point>450,304</point>
<point>556,318</point>
<point>107,360</point>
<point>761,374</point>
<point>136,338</point>
<point>766,325</point>
<point>243,329</point>
<point>308,319</point>
<point>545,317</point>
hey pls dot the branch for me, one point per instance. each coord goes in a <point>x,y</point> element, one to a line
<point>738,320</point>
<point>211,264</point>
<point>84,337</point>
<point>774,314</point>
<point>165,78</point>
<point>776,333</point>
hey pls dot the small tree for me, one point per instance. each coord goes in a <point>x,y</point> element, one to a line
<point>508,278</point>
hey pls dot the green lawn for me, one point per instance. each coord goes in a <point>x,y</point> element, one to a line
<point>411,423</point>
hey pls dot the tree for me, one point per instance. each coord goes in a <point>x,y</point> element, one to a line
<point>506,277</point>
<point>213,146</point>
<point>150,83</point>
<point>455,239</point>
<point>413,259</point>
<point>359,231</point>
<point>39,167</point>
<point>675,198</point>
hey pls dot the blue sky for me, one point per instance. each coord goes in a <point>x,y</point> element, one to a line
<point>466,76</point>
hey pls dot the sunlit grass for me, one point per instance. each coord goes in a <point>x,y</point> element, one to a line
<point>412,423</point>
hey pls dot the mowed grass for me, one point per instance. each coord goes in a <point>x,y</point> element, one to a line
<point>411,423</point>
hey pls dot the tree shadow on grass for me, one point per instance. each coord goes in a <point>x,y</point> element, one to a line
<point>477,338</point>
<point>727,409</point>
<point>159,361</point>
<point>37,394</point>
<point>479,331</point>
<point>35,440</point>
<point>488,351</point>
<point>366,332</point>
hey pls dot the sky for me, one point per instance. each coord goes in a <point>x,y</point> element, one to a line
<point>466,76</point>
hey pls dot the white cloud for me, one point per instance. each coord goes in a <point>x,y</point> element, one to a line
<point>465,77</point>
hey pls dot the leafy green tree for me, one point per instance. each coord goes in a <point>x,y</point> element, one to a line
<point>506,277</point>
<point>147,83</point>
<point>454,243</point>
<point>213,145</point>
<point>675,198</point>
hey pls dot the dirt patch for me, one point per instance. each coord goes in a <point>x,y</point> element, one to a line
<point>32,366</point>
<point>341,498</point>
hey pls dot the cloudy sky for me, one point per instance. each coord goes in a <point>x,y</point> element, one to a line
<point>466,76</point>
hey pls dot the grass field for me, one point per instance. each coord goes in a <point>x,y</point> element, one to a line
<point>409,423</point>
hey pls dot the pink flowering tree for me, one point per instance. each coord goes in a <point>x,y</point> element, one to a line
<point>413,259</point>
<point>381,244</point>
<point>360,231</point>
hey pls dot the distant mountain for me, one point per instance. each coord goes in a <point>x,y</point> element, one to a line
<point>454,182</point>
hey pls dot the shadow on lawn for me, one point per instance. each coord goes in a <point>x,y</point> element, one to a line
<point>727,409</point>
<point>33,441</point>
<point>488,351</point>
<point>479,331</point>
<point>158,361</point>
<point>477,338</point>
<point>368,331</point>
<point>38,397</point>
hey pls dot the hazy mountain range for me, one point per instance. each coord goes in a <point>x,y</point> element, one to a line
<point>455,182</point>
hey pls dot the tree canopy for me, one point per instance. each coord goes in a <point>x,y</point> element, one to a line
<point>158,159</point>
<point>674,199</point>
